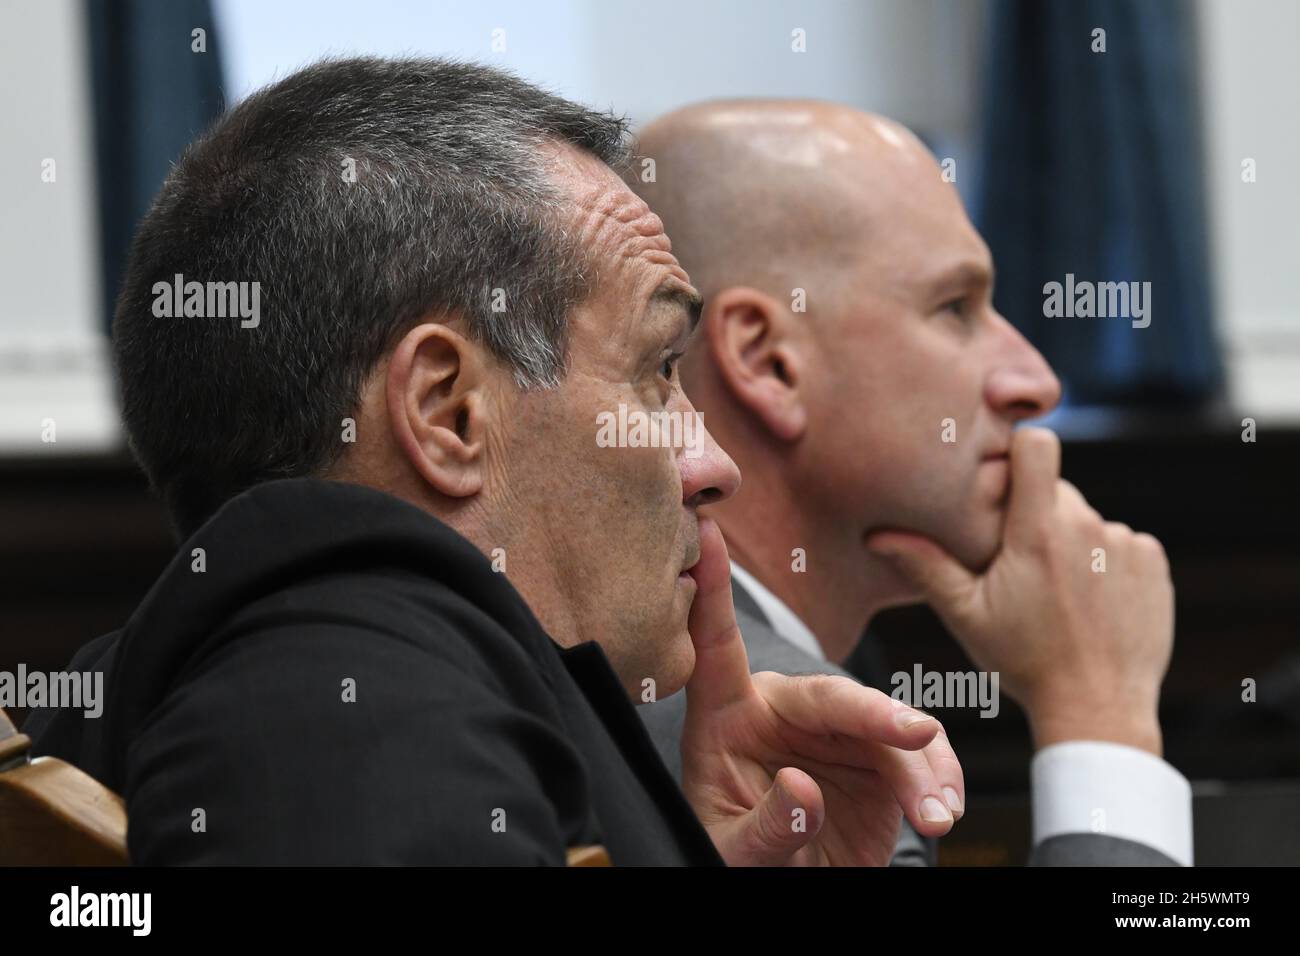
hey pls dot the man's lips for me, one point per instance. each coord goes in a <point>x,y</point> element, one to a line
<point>1002,461</point>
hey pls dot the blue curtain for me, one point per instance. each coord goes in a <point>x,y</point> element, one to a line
<point>1091,165</point>
<point>152,94</point>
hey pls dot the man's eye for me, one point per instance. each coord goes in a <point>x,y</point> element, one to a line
<point>957,307</point>
<point>669,365</point>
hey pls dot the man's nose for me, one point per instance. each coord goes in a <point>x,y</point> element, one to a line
<point>709,476</point>
<point>1022,384</point>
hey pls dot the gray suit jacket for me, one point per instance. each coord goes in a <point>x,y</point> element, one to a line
<point>768,651</point>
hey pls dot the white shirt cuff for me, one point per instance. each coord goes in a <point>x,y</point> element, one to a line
<point>1092,786</point>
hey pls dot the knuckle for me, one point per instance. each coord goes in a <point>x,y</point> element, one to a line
<point>825,683</point>
<point>1118,531</point>
<point>1092,525</point>
<point>1076,510</point>
<point>1149,543</point>
<point>1067,490</point>
<point>1150,547</point>
<point>824,688</point>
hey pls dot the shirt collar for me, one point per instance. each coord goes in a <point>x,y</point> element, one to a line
<point>784,621</point>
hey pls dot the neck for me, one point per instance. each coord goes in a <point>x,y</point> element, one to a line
<point>824,575</point>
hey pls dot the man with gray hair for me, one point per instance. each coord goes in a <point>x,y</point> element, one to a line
<point>416,596</point>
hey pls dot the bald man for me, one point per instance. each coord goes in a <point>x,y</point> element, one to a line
<point>852,363</point>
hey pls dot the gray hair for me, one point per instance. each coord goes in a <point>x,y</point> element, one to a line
<point>362,194</point>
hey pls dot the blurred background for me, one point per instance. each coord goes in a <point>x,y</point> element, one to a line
<point>1168,157</point>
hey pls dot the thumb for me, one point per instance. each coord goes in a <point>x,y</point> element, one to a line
<point>787,818</point>
<point>941,578</point>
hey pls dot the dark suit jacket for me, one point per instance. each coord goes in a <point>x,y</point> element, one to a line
<point>349,682</point>
<point>768,651</point>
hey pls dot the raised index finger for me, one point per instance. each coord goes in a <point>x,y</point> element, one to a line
<point>721,674</point>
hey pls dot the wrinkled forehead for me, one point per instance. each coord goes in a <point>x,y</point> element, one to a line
<point>618,232</point>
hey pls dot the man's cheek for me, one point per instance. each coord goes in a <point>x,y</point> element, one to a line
<point>648,491</point>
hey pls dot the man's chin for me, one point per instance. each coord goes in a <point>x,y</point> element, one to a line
<point>981,540</point>
<point>674,670</point>
<point>972,535</point>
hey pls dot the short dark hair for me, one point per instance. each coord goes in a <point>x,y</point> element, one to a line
<point>361,194</point>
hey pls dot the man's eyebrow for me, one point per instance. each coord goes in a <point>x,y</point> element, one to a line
<point>963,275</point>
<point>672,293</point>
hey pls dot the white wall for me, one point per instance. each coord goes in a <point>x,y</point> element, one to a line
<point>545,41</point>
<point>1251,77</point>
<point>910,58</point>
<point>917,60</point>
<point>53,362</point>
<point>914,59</point>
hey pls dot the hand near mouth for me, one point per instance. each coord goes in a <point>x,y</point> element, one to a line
<point>814,770</point>
<point>1076,613</point>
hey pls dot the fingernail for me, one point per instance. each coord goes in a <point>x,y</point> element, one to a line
<point>907,717</point>
<point>932,811</point>
<point>954,801</point>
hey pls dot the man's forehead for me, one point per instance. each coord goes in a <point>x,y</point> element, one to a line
<point>607,218</point>
<point>937,259</point>
<point>913,222</point>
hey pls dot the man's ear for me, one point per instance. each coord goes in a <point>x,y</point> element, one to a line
<point>758,359</point>
<point>438,408</point>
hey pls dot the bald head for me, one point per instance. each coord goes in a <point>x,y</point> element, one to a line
<point>833,403</point>
<point>763,192</point>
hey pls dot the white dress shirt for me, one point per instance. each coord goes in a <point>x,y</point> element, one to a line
<point>1080,786</point>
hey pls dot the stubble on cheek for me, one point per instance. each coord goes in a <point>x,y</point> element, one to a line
<point>634,527</point>
<point>667,600</point>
